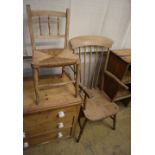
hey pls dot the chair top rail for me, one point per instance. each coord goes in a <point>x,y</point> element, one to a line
<point>91,41</point>
<point>48,13</point>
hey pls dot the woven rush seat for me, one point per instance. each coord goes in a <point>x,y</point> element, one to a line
<point>54,58</point>
<point>57,30</point>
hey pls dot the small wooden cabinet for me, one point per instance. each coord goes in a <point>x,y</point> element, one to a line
<point>54,117</point>
<point>117,81</point>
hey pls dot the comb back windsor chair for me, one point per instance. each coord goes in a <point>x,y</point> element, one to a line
<point>46,57</point>
<point>96,104</point>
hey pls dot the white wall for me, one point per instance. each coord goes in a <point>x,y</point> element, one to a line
<point>109,18</point>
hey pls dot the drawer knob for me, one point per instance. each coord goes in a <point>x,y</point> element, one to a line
<point>61,114</point>
<point>26,144</point>
<point>60,125</point>
<point>60,135</point>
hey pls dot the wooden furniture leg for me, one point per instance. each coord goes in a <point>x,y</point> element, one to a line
<point>81,129</point>
<point>114,122</point>
<point>75,121</point>
<point>77,80</point>
<point>35,80</point>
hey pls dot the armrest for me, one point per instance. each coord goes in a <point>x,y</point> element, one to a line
<point>86,91</point>
<point>116,79</point>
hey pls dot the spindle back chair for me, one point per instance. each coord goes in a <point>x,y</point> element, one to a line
<point>54,21</point>
<point>42,24</point>
<point>96,104</point>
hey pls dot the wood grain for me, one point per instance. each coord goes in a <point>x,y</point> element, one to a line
<point>91,41</point>
<point>50,98</point>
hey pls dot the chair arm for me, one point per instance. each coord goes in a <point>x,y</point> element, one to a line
<point>116,79</point>
<point>86,91</point>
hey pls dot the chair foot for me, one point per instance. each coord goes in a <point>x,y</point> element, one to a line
<point>81,130</point>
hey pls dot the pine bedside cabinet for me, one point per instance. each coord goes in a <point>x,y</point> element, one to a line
<point>55,117</point>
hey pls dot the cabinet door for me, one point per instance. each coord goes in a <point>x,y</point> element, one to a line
<point>116,66</point>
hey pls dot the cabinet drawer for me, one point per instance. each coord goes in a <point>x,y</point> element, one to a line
<point>47,137</point>
<point>48,121</point>
<point>48,126</point>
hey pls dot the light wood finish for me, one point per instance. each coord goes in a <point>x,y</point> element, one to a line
<point>91,41</point>
<point>84,73</point>
<point>41,122</point>
<point>45,86</point>
<point>77,79</point>
<point>95,64</point>
<point>99,106</point>
<point>99,68</point>
<point>35,77</point>
<point>87,92</point>
<point>90,46</point>
<point>44,58</point>
<point>45,138</point>
<point>118,74</point>
<point>49,98</point>
<point>96,104</point>
<point>124,54</point>
<point>47,13</point>
<point>54,58</point>
<point>58,26</point>
<point>49,26</point>
<point>106,61</point>
<point>90,62</point>
<point>50,37</point>
<point>29,14</point>
<point>40,30</point>
<point>67,27</point>
<point>80,64</point>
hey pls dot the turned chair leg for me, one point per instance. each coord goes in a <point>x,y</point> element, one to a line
<point>114,122</point>
<point>35,80</point>
<point>81,128</point>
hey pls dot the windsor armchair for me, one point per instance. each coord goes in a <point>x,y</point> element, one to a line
<point>96,104</point>
<point>45,26</point>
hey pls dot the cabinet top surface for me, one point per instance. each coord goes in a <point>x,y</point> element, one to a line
<point>124,54</point>
<point>53,98</point>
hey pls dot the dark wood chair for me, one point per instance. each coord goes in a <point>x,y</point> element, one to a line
<point>45,26</point>
<point>96,104</point>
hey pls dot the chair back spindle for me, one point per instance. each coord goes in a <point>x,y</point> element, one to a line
<point>40,30</point>
<point>91,54</point>
<point>50,25</point>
